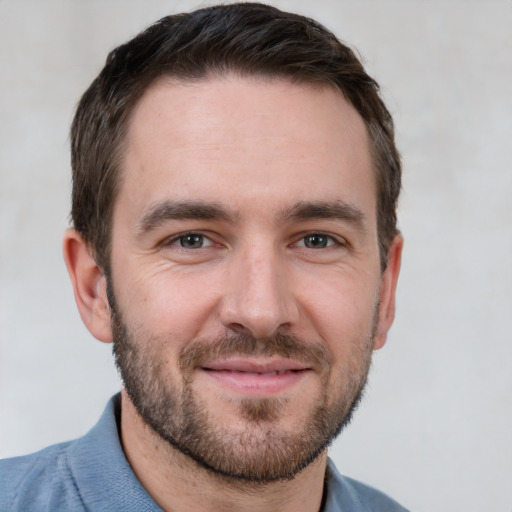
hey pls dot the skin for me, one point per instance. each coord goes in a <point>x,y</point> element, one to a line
<point>258,148</point>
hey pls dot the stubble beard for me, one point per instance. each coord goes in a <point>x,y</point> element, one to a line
<point>262,452</point>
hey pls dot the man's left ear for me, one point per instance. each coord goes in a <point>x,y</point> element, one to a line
<point>89,286</point>
<point>388,291</point>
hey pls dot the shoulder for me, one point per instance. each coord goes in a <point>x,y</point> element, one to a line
<point>39,481</point>
<point>373,499</point>
<point>89,473</point>
<point>348,494</point>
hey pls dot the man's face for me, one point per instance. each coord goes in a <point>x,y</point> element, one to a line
<point>245,270</point>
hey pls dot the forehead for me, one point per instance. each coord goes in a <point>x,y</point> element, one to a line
<point>242,140</point>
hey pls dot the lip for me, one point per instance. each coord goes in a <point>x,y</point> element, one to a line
<point>253,377</point>
<point>265,365</point>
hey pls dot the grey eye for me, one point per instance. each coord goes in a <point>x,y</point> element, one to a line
<point>191,241</point>
<point>316,241</point>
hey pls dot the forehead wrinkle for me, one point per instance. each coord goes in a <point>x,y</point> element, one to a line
<point>168,210</point>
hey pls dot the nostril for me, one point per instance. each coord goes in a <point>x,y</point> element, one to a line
<point>238,328</point>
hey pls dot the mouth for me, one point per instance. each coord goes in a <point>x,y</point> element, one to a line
<point>256,377</point>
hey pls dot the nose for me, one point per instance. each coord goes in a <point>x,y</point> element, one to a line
<point>258,297</point>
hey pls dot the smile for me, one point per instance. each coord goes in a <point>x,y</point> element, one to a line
<point>255,378</point>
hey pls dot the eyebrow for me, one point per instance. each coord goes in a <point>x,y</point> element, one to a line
<point>166,211</point>
<point>338,210</point>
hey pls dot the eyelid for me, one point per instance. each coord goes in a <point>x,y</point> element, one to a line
<point>208,240</point>
<point>174,239</point>
<point>336,239</point>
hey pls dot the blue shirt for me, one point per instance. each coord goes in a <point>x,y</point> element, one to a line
<point>92,474</point>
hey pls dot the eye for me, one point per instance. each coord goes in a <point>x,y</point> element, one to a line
<point>191,241</point>
<point>317,241</point>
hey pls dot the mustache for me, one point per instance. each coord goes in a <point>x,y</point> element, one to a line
<point>314,355</point>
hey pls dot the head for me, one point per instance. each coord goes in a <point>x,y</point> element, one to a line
<point>234,195</point>
<point>251,40</point>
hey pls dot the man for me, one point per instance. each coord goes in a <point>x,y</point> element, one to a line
<point>235,182</point>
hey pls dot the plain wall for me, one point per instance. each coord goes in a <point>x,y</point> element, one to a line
<point>435,429</point>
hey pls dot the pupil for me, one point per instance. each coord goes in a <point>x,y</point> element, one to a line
<point>316,241</point>
<point>191,241</point>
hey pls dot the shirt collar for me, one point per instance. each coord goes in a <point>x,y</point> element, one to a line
<point>102,474</point>
<point>106,481</point>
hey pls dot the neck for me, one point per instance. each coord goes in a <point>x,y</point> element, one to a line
<point>178,483</point>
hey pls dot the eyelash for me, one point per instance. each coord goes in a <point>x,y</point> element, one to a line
<point>176,239</point>
<point>331,241</point>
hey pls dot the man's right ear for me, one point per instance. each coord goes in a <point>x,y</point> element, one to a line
<point>89,286</point>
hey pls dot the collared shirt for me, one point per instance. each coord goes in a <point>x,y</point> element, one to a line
<point>92,474</point>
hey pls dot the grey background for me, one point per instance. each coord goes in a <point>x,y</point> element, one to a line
<point>435,430</point>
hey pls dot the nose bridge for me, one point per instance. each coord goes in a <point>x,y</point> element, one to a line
<point>258,298</point>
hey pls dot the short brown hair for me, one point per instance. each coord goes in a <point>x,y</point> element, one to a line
<point>248,39</point>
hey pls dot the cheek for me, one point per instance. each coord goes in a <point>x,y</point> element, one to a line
<point>341,309</point>
<point>163,302</point>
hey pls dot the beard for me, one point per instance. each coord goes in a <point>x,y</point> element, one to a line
<point>263,451</point>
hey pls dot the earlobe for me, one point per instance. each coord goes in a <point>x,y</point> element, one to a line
<point>388,291</point>
<point>89,286</point>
